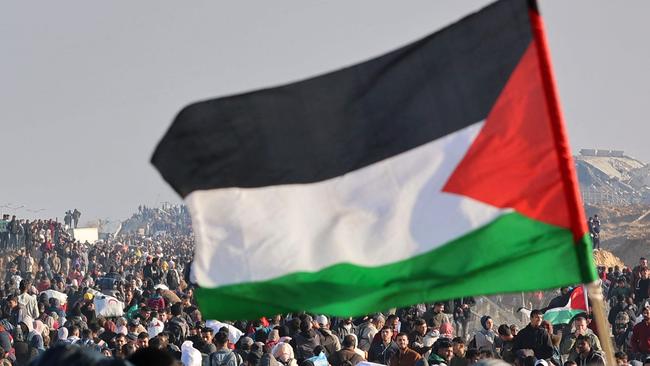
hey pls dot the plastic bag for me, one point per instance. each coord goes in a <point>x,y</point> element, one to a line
<point>190,356</point>
<point>108,306</point>
<point>320,360</point>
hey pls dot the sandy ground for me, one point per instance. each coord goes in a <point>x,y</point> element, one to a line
<point>625,232</point>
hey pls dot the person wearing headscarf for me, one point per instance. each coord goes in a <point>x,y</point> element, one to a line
<point>27,326</point>
<point>358,350</point>
<point>447,331</point>
<point>62,335</point>
<point>58,320</point>
<point>36,342</point>
<point>40,327</point>
<point>50,323</point>
<point>273,338</point>
<point>109,331</point>
<point>283,353</point>
<point>40,331</point>
<point>121,327</point>
<point>485,337</point>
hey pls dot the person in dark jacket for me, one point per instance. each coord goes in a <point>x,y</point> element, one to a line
<point>345,327</point>
<point>619,306</point>
<point>506,342</point>
<point>534,337</point>
<point>152,271</point>
<point>458,348</point>
<point>416,337</point>
<point>381,352</point>
<point>441,354</point>
<point>405,356</point>
<point>347,355</point>
<point>587,356</point>
<point>306,340</point>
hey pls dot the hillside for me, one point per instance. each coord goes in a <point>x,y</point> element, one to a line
<point>625,230</point>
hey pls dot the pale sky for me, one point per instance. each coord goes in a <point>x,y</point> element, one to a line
<point>88,88</point>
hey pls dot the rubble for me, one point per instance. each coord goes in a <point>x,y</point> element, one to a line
<point>606,258</point>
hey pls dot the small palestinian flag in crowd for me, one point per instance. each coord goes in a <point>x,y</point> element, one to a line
<point>438,170</point>
<point>576,304</point>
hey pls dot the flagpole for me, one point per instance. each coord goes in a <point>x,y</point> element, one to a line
<point>571,190</point>
<point>598,311</point>
<point>585,293</point>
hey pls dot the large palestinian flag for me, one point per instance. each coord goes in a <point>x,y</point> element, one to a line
<point>435,171</point>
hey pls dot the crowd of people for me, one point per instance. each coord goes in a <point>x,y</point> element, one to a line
<point>171,219</point>
<point>127,300</point>
<point>30,235</point>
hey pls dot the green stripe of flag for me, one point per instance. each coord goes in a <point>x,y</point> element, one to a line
<point>561,315</point>
<point>512,253</point>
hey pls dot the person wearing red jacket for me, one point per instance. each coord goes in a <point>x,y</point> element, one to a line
<point>640,341</point>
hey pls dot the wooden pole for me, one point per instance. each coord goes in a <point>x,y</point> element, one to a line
<point>598,311</point>
<point>566,167</point>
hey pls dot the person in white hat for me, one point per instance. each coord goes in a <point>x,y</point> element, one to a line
<point>329,341</point>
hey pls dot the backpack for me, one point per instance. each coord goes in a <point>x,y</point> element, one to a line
<point>224,361</point>
<point>177,332</point>
<point>328,342</point>
<point>621,322</point>
<point>351,360</point>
